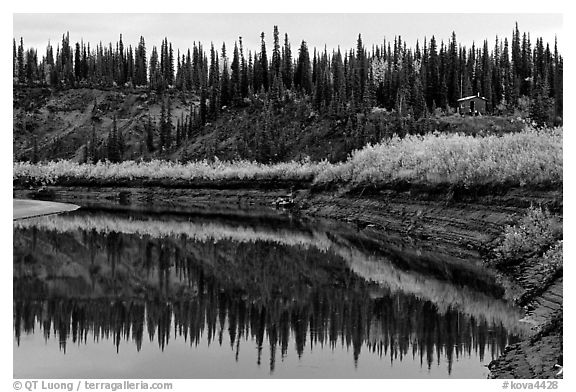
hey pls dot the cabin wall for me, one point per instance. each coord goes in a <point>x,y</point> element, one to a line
<point>479,105</point>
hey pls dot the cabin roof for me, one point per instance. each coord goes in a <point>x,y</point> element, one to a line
<point>470,97</point>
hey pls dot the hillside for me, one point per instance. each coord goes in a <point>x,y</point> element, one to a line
<point>60,122</point>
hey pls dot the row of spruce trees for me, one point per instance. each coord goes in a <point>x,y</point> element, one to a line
<point>391,75</point>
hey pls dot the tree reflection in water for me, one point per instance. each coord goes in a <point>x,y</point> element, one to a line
<point>83,285</point>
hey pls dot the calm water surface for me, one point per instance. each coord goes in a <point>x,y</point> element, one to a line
<point>136,295</point>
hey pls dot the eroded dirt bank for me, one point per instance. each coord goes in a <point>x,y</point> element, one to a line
<point>462,225</point>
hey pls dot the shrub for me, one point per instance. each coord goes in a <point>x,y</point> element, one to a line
<point>533,233</point>
<point>530,157</point>
<point>553,256</point>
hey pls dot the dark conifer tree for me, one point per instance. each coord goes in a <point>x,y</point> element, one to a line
<point>121,63</point>
<point>453,72</point>
<point>287,71</point>
<point>170,67</point>
<point>214,84</point>
<point>155,73</point>
<point>264,64</point>
<point>486,78</point>
<point>130,65</point>
<point>14,58</point>
<point>276,58</point>
<point>77,63</point>
<point>31,67</point>
<point>558,82</point>
<point>303,73</point>
<point>526,75</point>
<point>225,88</point>
<point>84,61</point>
<point>361,71</point>
<point>21,73</point>
<point>506,74</point>
<point>140,75</point>
<point>433,76</point>
<point>244,79</point>
<point>235,75</point>
<point>257,81</point>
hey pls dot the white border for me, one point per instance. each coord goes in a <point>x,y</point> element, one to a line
<point>296,6</point>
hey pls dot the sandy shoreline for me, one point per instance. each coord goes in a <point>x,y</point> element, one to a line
<point>22,209</point>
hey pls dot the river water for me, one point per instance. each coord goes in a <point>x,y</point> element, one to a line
<point>116,294</point>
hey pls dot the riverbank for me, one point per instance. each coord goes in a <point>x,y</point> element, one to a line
<point>465,223</point>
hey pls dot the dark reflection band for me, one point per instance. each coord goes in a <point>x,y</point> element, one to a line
<point>87,281</point>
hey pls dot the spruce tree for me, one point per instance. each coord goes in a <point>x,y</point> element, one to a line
<point>505,74</point>
<point>77,63</point>
<point>21,73</point>
<point>303,73</point>
<point>433,76</point>
<point>453,72</point>
<point>224,80</point>
<point>235,75</point>
<point>276,58</point>
<point>170,68</point>
<point>140,63</point>
<point>287,71</point>
<point>361,70</point>
<point>264,63</point>
<point>154,74</point>
<point>244,80</point>
<point>14,58</point>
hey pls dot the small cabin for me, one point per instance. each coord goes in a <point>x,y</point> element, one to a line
<point>472,105</point>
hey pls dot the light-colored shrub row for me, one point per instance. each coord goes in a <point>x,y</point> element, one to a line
<point>528,157</point>
<point>51,172</point>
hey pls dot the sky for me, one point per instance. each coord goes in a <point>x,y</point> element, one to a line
<point>317,30</point>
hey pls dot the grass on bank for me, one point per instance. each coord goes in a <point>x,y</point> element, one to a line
<point>530,157</point>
